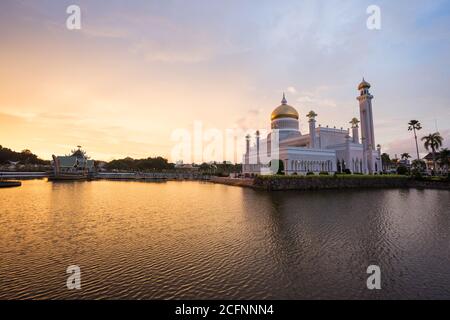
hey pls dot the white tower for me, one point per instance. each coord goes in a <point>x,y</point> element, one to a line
<point>312,129</point>
<point>355,130</point>
<point>247,149</point>
<point>367,131</point>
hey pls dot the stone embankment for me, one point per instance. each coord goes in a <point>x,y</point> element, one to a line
<point>329,182</point>
<point>332,182</point>
<point>234,182</point>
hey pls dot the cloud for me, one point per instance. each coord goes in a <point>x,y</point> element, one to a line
<point>158,52</point>
<point>154,64</point>
<point>316,98</point>
<point>253,119</point>
<point>291,90</point>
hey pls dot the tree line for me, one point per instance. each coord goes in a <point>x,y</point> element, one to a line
<point>24,157</point>
<point>130,164</point>
<point>432,142</point>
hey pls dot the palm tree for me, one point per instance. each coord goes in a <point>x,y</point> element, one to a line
<point>444,161</point>
<point>433,141</point>
<point>414,125</point>
<point>405,156</point>
<point>385,161</point>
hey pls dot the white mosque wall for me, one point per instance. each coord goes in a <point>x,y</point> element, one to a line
<point>328,137</point>
<point>303,160</point>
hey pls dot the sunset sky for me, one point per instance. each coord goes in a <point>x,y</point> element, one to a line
<point>138,70</point>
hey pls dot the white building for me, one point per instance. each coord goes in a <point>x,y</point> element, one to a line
<point>77,163</point>
<point>323,149</point>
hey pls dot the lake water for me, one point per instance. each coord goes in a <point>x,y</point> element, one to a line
<point>194,240</point>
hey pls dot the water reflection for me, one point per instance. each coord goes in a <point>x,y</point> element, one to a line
<point>200,240</point>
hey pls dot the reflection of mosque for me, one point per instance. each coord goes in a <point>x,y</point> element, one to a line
<point>323,149</point>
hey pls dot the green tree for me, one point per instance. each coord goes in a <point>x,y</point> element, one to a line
<point>405,156</point>
<point>280,166</point>
<point>402,170</point>
<point>153,164</point>
<point>24,157</point>
<point>205,167</point>
<point>444,161</point>
<point>419,165</point>
<point>414,125</point>
<point>386,161</point>
<point>433,142</point>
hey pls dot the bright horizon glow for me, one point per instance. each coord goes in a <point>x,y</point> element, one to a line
<point>137,71</point>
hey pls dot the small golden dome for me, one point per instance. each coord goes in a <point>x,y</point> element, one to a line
<point>364,85</point>
<point>284,111</point>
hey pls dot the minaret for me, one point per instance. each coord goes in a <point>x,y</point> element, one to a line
<point>347,150</point>
<point>367,132</point>
<point>247,149</point>
<point>312,129</point>
<point>257,146</point>
<point>355,130</point>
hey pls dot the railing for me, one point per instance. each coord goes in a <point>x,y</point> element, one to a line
<point>115,175</point>
<point>18,175</point>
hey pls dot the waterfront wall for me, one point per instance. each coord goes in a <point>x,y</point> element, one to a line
<point>344,182</point>
<point>443,185</point>
<point>234,182</point>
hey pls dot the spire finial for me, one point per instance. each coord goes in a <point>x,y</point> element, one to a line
<point>284,101</point>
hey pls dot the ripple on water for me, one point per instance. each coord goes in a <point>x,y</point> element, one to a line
<point>204,241</point>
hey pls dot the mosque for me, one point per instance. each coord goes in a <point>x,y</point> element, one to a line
<point>323,149</point>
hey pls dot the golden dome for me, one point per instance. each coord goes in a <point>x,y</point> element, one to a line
<point>284,111</point>
<point>364,85</point>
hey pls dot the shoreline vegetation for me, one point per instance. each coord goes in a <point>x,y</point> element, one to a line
<point>159,167</point>
<point>26,161</point>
